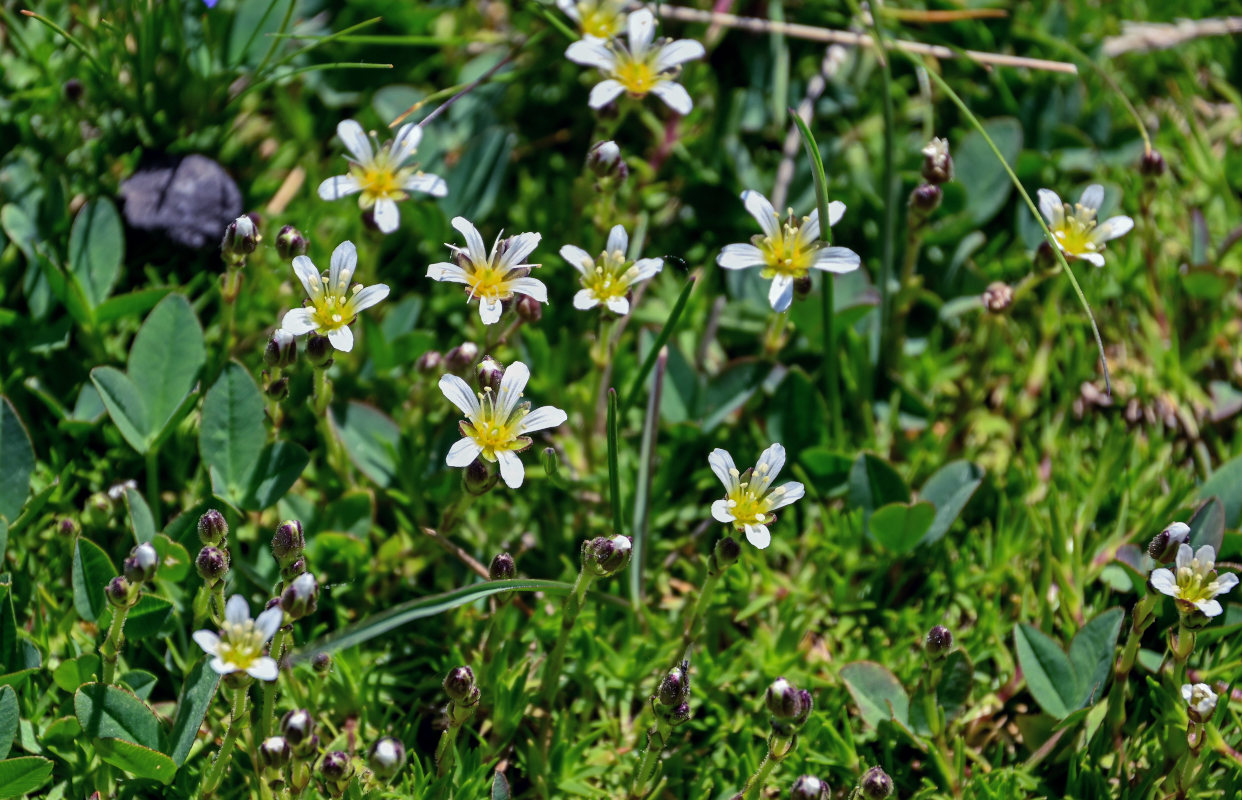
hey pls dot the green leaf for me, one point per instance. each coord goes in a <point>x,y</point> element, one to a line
<point>21,776</point>
<point>136,759</point>
<point>899,527</point>
<point>197,693</point>
<point>76,671</point>
<point>371,440</point>
<point>147,617</point>
<point>140,520</point>
<point>1207,525</point>
<point>175,560</point>
<point>877,692</point>
<point>874,483</point>
<point>500,786</point>
<point>4,538</point>
<point>793,403</point>
<point>9,719</point>
<point>92,569</point>
<point>232,434</point>
<point>949,490</point>
<point>1092,652</point>
<point>1226,483</point>
<point>16,462</point>
<point>139,681</point>
<point>817,174</point>
<point>165,359</point>
<point>986,182</point>
<point>279,465</point>
<point>129,305</point>
<point>125,406</point>
<point>96,249</point>
<point>108,712</point>
<point>1048,671</point>
<point>670,325</point>
<point>957,678</point>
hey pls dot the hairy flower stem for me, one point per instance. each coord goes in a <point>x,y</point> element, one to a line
<point>657,740</point>
<point>277,651</point>
<point>446,750</point>
<point>700,604</point>
<point>556,660</point>
<point>111,648</point>
<point>1182,644</point>
<point>778,748</point>
<point>1141,620</point>
<point>237,723</point>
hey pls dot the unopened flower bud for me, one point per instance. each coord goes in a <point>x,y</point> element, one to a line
<point>429,362</point>
<point>607,555</point>
<point>806,704</point>
<point>278,389</point>
<point>301,597</point>
<point>297,726</point>
<point>318,351</point>
<point>212,527</point>
<point>461,358</point>
<point>937,163</point>
<point>528,308</point>
<point>1163,547</point>
<point>605,161</point>
<point>675,686</point>
<point>727,552</point>
<point>1200,701</point>
<point>281,350</point>
<point>938,642</point>
<point>336,767</point>
<point>808,787</point>
<point>479,477</point>
<point>783,699</point>
<point>925,198</point>
<point>802,287</point>
<point>459,684</point>
<point>997,297</point>
<point>678,715</point>
<point>290,242</point>
<point>212,563</point>
<point>289,542</point>
<point>274,753</point>
<point>321,662</point>
<point>489,373</point>
<point>68,528</point>
<point>241,237</point>
<point>502,567</point>
<point>120,592</point>
<point>875,784</point>
<point>141,564</point>
<point>98,511</point>
<point>1152,164</point>
<point>73,90</point>
<point>386,757</point>
<point>293,569</point>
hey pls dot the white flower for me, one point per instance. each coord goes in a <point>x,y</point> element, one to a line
<point>606,280</point>
<point>146,557</point>
<point>117,490</point>
<point>1196,583</point>
<point>787,251</point>
<point>333,302</point>
<point>1076,230</point>
<point>602,19</point>
<point>380,174</point>
<point>493,278</point>
<point>239,646</point>
<point>644,67</point>
<point>496,425</point>
<point>1200,698</point>
<point>749,503</point>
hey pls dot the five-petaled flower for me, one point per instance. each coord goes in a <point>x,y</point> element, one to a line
<point>1195,584</point>
<point>750,499</point>
<point>495,277</point>
<point>602,19</point>
<point>496,424</point>
<point>379,175</point>
<point>333,302</point>
<point>607,280</point>
<point>1075,228</point>
<point>787,251</point>
<point>644,67</point>
<point>239,645</point>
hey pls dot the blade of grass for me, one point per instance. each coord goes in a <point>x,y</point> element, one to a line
<point>313,68</point>
<point>642,493</point>
<point>662,338</point>
<point>614,473</point>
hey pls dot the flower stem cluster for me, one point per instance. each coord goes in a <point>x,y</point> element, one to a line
<point>671,705</point>
<point>122,593</point>
<point>298,729</point>
<point>464,696</point>
<point>213,560</point>
<point>790,708</point>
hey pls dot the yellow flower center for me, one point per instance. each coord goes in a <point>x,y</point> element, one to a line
<point>489,282</point>
<point>1193,584</point>
<point>600,19</point>
<point>491,430</point>
<point>241,644</point>
<point>379,179</point>
<point>1076,233</point>
<point>638,77</point>
<point>330,311</point>
<point>608,279</point>
<point>787,254</point>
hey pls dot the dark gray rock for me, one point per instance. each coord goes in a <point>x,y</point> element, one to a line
<point>189,199</point>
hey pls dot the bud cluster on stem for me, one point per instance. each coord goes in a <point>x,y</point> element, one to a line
<point>671,705</point>
<point>122,593</point>
<point>790,708</point>
<point>464,696</point>
<point>213,560</point>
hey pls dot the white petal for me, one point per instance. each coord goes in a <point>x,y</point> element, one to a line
<point>1225,582</point>
<point>355,139</point>
<point>591,52</point>
<point>1210,608</point>
<point>369,296</point>
<point>740,256</point>
<point>511,470</point>
<point>674,96</point>
<point>810,229</point>
<point>1050,206</point>
<point>1162,581</point>
<point>298,321</point>
<point>341,338</point>
<point>722,464</point>
<point>405,143</point>
<point>341,273</point>
<point>678,52</point>
<point>836,210</point>
<point>512,385</point>
<point>426,183</point>
<point>1092,197</point>
<point>570,9</point>
<point>339,186</point>
<point>641,30</point>
<point>474,242</point>
<point>618,305</point>
<point>269,622</point>
<point>577,258</point>
<point>206,640</point>
<point>618,240</point>
<point>643,269</point>
<point>720,511</point>
<point>1205,555</point>
<point>463,452</point>
<point>759,536</point>
<point>489,310</point>
<point>1092,258</point>
<point>780,293</point>
<point>585,299</point>
<point>543,418</point>
<point>1185,554</point>
<point>1187,692</point>
<point>836,259</point>
<point>532,287</point>
<point>604,93</point>
<point>304,268</point>
<point>520,247</point>
<point>222,667</point>
<point>460,394</point>
<point>1112,228</point>
<point>792,491</point>
<point>763,212</point>
<point>448,272</point>
<point>237,610</point>
<point>264,669</point>
<point>387,217</point>
<point>770,464</point>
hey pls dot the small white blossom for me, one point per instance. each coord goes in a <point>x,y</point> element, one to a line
<point>379,175</point>
<point>117,490</point>
<point>239,645</point>
<point>1075,228</point>
<point>496,425</point>
<point>789,250</point>
<point>495,277</point>
<point>1200,698</point>
<point>145,556</point>
<point>607,280</point>
<point>1195,584</point>
<point>750,499</point>
<point>641,68</point>
<point>334,304</point>
<point>602,19</point>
